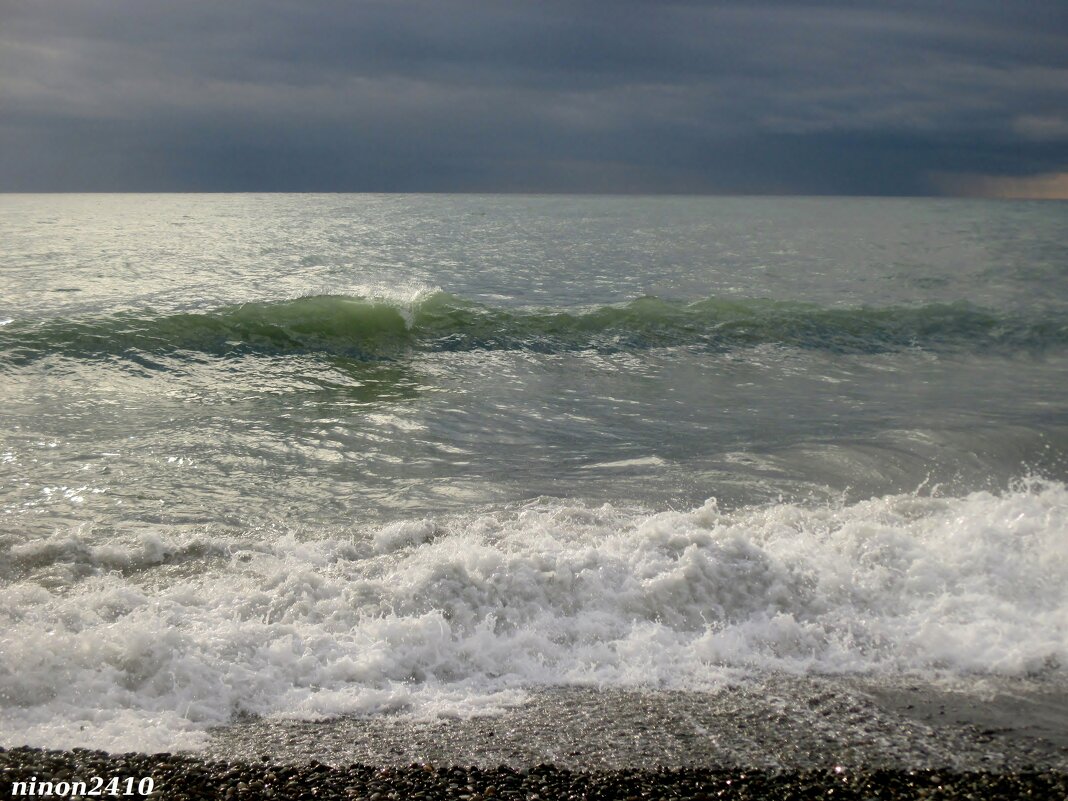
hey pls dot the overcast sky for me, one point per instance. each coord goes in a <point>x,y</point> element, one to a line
<point>967,97</point>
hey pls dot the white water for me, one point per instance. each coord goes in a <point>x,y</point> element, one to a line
<point>145,642</point>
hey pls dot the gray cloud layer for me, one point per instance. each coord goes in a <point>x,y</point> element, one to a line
<point>582,95</point>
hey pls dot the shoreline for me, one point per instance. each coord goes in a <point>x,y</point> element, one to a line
<point>767,722</point>
<point>770,736</point>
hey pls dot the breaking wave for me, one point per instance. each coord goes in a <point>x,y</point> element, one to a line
<point>365,328</point>
<point>150,641</point>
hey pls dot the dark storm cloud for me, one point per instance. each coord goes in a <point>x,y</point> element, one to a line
<point>895,98</point>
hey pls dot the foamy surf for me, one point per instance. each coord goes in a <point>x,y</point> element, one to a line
<point>149,641</point>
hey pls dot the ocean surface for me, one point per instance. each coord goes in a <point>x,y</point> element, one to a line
<point>298,456</point>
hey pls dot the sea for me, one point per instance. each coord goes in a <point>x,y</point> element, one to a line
<point>300,457</point>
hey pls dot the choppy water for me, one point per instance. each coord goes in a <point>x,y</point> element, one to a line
<point>306,455</point>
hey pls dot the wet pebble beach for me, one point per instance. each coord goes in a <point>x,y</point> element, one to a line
<point>180,778</point>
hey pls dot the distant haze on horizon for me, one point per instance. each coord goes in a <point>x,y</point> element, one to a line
<point>626,96</point>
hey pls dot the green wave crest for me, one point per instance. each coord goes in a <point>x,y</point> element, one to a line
<point>371,329</point>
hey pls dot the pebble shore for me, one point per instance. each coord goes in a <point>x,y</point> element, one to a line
<point>185,778</point>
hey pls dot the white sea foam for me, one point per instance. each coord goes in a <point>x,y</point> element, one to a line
<point>645,461</point>
<point>133,648</point>
<point>402,293</point>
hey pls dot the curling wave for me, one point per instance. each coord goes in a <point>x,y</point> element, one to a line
<point>372,329</point>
